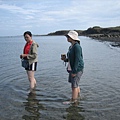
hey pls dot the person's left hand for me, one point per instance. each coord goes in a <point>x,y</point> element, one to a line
<point>73,75</point>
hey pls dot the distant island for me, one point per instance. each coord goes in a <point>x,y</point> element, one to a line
<point>111,34</point>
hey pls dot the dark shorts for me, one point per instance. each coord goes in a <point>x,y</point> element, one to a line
<point>75,80</point>
<point>32,67</point>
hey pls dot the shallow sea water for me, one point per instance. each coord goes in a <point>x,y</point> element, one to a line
<point>100,83</point>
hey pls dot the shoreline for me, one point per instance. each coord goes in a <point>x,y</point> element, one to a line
<point>114,39</point>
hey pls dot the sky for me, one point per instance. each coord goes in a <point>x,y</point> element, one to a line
<point>46,16</point>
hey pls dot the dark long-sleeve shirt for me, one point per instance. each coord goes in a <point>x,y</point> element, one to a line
<point>75,57</point>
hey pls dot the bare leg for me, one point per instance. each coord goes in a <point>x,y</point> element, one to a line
<point>31,79</point>
<point>75,92</point>
<point>78,92</point>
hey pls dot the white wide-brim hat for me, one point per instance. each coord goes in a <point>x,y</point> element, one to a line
<point>73,34</point>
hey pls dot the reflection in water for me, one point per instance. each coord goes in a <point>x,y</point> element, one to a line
<point>74,112</point>
<point>33,107</point>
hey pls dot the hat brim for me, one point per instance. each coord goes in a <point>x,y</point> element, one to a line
<point>72,38</point>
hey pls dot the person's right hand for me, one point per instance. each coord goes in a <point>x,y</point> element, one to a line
<point>23,56</point>
<point>63,56</point>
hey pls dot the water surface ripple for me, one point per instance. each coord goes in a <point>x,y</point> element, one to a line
<point>100,83</point>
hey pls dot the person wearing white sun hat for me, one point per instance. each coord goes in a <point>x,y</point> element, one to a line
<point>75,63</point>
<point>73,34</point>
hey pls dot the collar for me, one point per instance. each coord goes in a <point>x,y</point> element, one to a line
<point>29,43</point>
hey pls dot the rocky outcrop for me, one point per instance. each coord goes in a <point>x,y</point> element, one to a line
<point>111,34</point>
<point>106,34</point>
<point>64,32</point>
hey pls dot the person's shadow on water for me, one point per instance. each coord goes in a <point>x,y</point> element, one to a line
<point>73,112</point>
<point>32,106</point>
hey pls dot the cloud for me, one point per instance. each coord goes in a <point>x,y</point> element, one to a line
<point>54,15</point>
<point>17,10</point>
